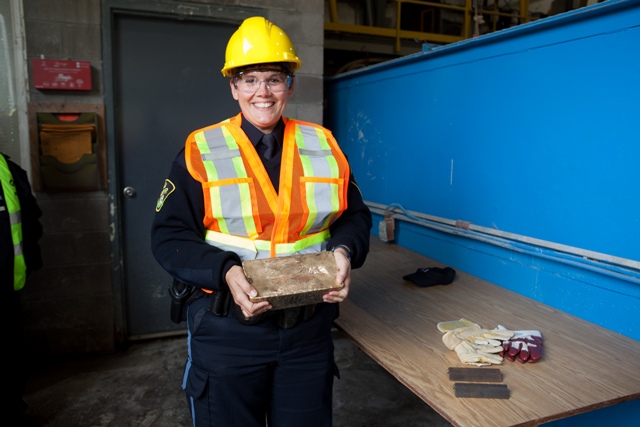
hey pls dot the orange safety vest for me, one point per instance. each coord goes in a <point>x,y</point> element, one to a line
<point>243,212</point>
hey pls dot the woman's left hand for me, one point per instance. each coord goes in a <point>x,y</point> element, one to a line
<point>344,276</point>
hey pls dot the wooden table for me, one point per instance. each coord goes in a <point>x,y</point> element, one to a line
<point>583,367</point>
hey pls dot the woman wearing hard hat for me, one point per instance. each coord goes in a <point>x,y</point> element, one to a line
<point>258,185</point>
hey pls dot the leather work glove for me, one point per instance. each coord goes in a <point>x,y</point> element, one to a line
<point>477,346</point>
<point>477,335</point>
<point>525,346</point>
<point>451,325</point>
<point>477,355</point>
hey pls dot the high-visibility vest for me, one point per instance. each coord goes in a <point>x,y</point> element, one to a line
<point>243,211</point>
<point>13,207</point>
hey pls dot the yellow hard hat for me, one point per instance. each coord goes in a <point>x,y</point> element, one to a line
<point>258,41</point>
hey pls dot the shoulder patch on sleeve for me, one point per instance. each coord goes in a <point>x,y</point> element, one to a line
<point>168,188</point>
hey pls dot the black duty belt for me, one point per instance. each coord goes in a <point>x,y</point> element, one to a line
<point>222,302</point>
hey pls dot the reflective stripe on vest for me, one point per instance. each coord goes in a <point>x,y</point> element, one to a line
<point>256,249</point>
<point>231,204</point>
<point>318,160</point>
<point>13,207</point>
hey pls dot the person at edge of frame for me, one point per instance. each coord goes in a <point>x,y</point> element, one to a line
<point>230,197</point>
<point>20,233</point>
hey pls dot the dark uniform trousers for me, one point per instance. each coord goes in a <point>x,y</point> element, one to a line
<point>240,375</point>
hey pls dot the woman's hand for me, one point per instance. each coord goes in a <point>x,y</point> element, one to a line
<point>343,276</point>
<point>242,290</point>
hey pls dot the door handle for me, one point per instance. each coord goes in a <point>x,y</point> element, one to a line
<point>129,192</point>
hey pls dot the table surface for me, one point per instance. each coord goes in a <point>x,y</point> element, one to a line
<point>583,366</point>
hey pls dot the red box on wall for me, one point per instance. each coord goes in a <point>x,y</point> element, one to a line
<point>61,74</point>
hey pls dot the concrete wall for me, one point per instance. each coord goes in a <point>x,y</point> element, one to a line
<point>70,305</point>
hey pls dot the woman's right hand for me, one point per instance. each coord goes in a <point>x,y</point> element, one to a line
<point>242,290</point>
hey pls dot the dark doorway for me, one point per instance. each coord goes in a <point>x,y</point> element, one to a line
<point>166,83</point>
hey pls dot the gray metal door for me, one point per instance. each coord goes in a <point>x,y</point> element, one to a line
<point>167,83</point>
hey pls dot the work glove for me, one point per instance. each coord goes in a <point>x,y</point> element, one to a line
<point>477,335</point>
<point>525,346</point>
<point>477,355</point>
<point>477,346</point>
<point>450,325</point>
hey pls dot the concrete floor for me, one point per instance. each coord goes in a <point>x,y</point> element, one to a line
<point>140,387</point>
